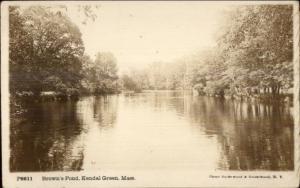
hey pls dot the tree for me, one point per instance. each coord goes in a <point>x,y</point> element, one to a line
<point>129,83</point>
<point>52,49</point>
<point>256,43</point>
<point>105,72</point>
<point>20,79</point>
<point>88,72</point>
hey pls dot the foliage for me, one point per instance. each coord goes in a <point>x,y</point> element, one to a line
<point>51,46</point>
<point>253,55</point>
<point>257,44</point>
<point>52,54</point>
<point>100,76</point>
<point>129,84</point>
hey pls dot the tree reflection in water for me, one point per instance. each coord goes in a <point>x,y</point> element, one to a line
<point>252,136</point>
<point>47,138</point>
<point>152,130</point>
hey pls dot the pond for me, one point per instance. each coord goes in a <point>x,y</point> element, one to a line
<point>153,130</point>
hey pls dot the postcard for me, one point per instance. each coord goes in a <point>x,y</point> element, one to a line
<point>150,94</point>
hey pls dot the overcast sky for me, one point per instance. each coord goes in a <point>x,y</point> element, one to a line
<point>139,33</point>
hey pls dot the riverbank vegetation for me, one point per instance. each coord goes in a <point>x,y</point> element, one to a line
<point>253,58</point>
<point>46,57</point>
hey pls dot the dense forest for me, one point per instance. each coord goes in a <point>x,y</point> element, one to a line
<point>253,58</point>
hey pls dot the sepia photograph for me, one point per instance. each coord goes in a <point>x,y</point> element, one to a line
<point>107,91</point>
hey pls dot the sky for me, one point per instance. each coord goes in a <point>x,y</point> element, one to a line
<point>139,33</point>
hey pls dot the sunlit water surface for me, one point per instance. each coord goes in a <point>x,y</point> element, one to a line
<point>155,130</point>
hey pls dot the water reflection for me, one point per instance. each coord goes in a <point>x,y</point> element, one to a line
<point>47,137</point>
<point>252,136</point>
<point>155,130</point>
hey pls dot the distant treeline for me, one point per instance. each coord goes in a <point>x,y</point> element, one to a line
<point>253,58</point>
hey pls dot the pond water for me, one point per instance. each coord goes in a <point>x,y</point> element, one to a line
<point>154,130</point>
